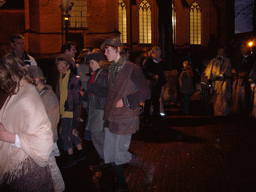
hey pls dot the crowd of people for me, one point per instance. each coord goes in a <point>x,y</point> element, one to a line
<point>232,82</point>
<point>38,123</point>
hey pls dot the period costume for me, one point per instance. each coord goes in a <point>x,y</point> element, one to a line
<point>24,114</point>
<point>252,80</point>
<point>241,87</point>
<point>127,82</point>
<point>67,91</point>
<point>218,71</point>
<point>83,71</point>
<point>96,95</point>
<point>52,108</point>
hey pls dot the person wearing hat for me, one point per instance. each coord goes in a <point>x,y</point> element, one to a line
<point>51,105</point>
<point>127,88</point>
<point>67,91</point>
<point>96,95</point>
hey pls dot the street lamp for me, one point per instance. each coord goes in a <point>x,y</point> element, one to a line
<point>65,9</point>
<point>251,44</point>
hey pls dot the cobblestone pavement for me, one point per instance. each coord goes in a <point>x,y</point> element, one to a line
<point>195,153</point>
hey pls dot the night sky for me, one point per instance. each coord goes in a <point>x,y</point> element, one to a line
<point>243,21</point>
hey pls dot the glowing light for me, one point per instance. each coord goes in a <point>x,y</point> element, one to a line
<point>250,44</point>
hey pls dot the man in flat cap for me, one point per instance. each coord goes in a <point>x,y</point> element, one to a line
<point>127,88</point>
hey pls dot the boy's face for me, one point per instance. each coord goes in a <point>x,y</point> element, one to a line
<point>94,65</point>
<point>62,67</point>
<point>112,54</point>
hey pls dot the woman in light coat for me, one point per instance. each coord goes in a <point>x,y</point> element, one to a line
<point>26,138</point>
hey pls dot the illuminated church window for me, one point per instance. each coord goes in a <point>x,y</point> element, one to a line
<point>173,24</point>
<point>195,24</point>
<point>78,14</point>
<point>122,21</point>
<point>145,30</point>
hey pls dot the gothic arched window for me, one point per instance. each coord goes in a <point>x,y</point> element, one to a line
<point>173,24</point>
<point>145,30</point>
<point>195,24</point>
<point>122,21</point>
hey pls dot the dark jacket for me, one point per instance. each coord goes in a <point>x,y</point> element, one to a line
<point>151,68</point>
<point>185,81</point>
<point>241,65</point>
<point>73,101</point>
<point>98,89</point>
<point>130,84</point>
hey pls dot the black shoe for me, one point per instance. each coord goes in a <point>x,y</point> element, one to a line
<point>70,161</point>
<point>101,166</point>
<point>81,155</point>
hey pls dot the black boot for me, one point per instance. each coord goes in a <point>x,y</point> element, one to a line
<point>69,161</point>
<point>121,181</point>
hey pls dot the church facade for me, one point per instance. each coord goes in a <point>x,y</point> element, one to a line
<point>42,22</point>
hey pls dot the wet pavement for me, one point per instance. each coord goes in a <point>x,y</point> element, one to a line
<point>192,153</point>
